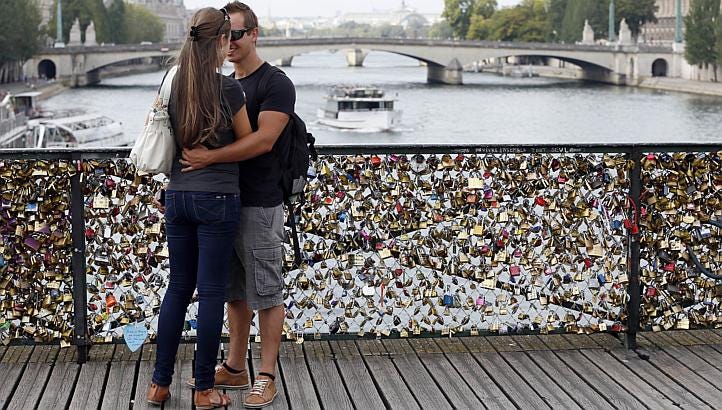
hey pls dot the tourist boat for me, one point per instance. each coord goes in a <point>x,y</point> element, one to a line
<point>60,129</point>
<point>359,108</point>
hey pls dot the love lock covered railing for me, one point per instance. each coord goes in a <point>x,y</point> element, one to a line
<point>397,241</point>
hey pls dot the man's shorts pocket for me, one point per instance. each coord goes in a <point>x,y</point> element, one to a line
<point>267,263</point>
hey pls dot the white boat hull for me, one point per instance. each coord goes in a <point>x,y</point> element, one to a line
<point>355,120</point>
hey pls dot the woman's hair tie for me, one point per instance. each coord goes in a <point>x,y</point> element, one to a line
<point>195,33</point>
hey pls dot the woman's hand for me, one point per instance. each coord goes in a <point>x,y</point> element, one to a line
<point>196,158</point>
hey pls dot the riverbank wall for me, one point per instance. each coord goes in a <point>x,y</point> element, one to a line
<point>708,88</point>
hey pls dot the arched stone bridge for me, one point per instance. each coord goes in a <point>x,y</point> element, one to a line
<point>444,58</point>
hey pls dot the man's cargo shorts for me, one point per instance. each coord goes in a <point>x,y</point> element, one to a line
<point>255,273</point>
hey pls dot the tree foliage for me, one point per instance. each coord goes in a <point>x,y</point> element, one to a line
<point>703,31</point>
<point>458,13</point>
<point>20,37</point>
<point>142,25</point>
<point>577,12</point>
<point>636,13</point>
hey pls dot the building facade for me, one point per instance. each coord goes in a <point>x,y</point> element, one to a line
<point>47,10</point>
<point>662,32</point>
<point>172,13</point>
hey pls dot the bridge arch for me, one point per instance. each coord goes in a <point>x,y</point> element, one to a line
<point>47,69</point>
<point>660,68</point>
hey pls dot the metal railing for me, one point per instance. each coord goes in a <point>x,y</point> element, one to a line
<point>397,240</point>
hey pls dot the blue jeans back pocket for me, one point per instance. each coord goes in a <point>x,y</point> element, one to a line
<point>210,208</point>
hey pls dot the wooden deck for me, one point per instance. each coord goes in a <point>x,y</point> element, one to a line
<point>684,370</point>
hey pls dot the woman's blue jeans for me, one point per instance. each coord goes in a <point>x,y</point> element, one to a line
<point>201,228</point>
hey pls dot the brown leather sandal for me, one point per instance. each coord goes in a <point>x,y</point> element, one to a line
<point>158,395</point>
<point>210,399</point>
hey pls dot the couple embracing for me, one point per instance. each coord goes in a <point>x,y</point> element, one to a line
<point>224,207</point>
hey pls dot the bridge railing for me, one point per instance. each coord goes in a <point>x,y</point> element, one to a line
<point>398,241</point>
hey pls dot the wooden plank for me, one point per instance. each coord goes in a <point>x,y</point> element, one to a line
<point>391,384</point>
<point>595,378</point>
<point>556,342</point>
<point>17,355</point>
<point>360,385</point>
<point>299,391</point>
<point>12,366</point>
<point>181,395</point>
<point>504,343</point>
<point>331,390</point>
<point>544,386</point>
<point>67,355</point>
<point>89,387</point>
<point>709,355</point>
<point>644,392</point>
<point>2,351</point>
<point>689,370</point>
<point>145,376</point>
<point>483,386</point>
<point>513,385</point>
<point>119,387</point>
<point>583,394</point>
<point>397,346</point>
<point>707,335</point>
<point>666,385</point>
<point>371,348</point>
<point>683,338</point>
<point>607,341</point>
<point>529,342</point>
<point>420,383</point>
<point>477,345</point>
<point>446,377</point>
<point>44,354</point>
<point>696,364</point>
<point>31,386</point>
<point>60,386</point>
<point>581,341</point>
<point>659,339</point>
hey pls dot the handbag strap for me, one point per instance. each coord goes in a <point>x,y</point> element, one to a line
<point>165,89</point>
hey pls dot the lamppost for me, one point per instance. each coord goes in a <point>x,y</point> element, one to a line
<point>59,26</point>
<point>678,37</point>
<point>612,25</point>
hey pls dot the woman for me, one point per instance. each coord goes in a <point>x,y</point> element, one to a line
<point>201,207</point>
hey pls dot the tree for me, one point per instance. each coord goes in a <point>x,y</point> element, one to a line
<point>441,30</point>
<point>557,9</point>
<point>116,22</point>
<point>458,13</point>
<point>20,37</point>
<point>636,13</point>
<point>142,25</point>
<point>479,25</point>
<point>527,22</point>
<point>702,32</point>
<point>577,12</point>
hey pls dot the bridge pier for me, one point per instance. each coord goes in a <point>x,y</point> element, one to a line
<point>286,61</point>
<point>452,74</point>
<point>355,57</point>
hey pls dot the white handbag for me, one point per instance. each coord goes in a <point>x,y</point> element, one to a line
<point>154,149</point>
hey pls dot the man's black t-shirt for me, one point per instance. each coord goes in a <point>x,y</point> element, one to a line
<point>260,177</point>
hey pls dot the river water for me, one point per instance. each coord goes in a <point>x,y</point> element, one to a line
<point>486,109</point>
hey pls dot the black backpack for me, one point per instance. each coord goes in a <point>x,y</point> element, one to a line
<point>295,150</point>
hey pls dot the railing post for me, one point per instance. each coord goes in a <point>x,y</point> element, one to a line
<point>633,288</point>
<point>80,296</point>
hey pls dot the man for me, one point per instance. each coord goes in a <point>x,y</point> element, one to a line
<point>255,279</point>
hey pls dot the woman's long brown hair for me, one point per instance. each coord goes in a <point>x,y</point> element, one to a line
<point>197,87</point>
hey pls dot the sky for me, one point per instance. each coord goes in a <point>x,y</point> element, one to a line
<point>312,8</point>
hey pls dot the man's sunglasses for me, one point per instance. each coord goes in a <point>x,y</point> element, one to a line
<point>238,34</point>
